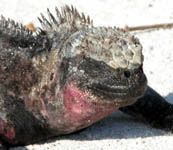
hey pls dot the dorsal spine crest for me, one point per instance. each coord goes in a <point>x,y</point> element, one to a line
<point>67,15</point>
<point>12,29</point>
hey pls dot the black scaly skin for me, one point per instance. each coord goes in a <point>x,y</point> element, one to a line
<point>153,108</point>
<point>68,75</point>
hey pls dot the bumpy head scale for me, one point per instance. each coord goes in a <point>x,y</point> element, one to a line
<point>116,47</point>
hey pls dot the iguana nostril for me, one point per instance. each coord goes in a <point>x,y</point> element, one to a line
<point>127,74</point>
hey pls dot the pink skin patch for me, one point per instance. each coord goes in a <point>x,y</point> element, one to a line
<point>7,133</point>
<point>80,109</point>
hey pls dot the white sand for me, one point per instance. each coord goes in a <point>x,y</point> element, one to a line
<point>117,131</point>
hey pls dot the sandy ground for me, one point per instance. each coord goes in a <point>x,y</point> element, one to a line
<point>118,131</point>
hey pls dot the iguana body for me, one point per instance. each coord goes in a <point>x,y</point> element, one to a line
<point>68,75</point>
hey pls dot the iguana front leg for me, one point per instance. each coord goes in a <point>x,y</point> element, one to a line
<point>154,109</point>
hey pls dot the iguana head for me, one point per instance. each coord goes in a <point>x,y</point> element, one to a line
<point>105,62</point>
<point>100,67</point>
<point>102,71</point>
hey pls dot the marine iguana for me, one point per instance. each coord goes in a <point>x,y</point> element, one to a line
<point>69,74</point>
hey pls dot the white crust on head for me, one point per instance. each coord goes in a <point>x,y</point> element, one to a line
<point>77,35</point>
<point>113,46</point>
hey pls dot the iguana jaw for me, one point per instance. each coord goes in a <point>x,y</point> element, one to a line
<point>80,110</point>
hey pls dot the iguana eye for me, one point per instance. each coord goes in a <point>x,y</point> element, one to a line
<point>127,74</point>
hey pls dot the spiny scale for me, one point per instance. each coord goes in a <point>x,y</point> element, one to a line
<point>68,15</point>
<point>13,29</point>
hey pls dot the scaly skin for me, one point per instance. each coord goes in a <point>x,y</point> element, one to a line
<point>68,75</point>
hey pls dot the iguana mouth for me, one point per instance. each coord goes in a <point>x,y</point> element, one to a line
<point>122,95</point>
<point>123,86</point>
